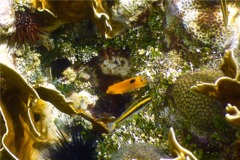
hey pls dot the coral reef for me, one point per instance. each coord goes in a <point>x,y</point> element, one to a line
<point>115,66</point>
<point>200,25</point>
<point>226,88</point>
<point>65,61</point>
<point>199,116</point>
<point>190,104</point>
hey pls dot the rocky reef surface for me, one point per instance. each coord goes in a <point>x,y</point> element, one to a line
<point>56,66</point>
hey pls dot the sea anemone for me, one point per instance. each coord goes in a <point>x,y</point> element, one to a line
<point>26,29</point>
<point>80,144</point>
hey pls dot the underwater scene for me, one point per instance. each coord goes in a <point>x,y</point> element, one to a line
<point>119,79</point>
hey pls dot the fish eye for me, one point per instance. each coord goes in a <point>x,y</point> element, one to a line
<point>132,80</point>
<point>37,117</point>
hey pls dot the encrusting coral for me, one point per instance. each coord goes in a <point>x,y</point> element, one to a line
<point>202,25</point>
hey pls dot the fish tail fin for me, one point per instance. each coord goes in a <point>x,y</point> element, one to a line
<point>111,126</point>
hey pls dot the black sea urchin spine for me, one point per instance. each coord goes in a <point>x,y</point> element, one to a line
<point>80,145</point>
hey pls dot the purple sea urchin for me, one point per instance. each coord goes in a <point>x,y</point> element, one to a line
<point>26,29</point>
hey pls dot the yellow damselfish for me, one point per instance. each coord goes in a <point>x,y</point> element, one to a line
<point>127,85</point>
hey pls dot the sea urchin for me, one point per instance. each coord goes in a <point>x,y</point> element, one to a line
<point>80,145</point>
<point>26,30</point>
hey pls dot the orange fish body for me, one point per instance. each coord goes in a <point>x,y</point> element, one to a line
<point>127,85</point>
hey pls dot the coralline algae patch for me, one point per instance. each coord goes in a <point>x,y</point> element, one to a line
<point>118,66</point>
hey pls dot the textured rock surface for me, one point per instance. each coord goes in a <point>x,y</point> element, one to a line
<point>7,17</point>
<point>139,151</point>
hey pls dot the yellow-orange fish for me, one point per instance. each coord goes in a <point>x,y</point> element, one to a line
<point>127,85</point>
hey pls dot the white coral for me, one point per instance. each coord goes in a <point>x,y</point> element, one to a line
<point>7,17</point>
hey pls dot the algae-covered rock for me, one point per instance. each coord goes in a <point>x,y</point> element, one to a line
<point>139,151</point>
<point>147,151</point>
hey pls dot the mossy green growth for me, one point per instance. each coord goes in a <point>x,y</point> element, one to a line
<point>76,42</point>
<point>140,128</point>
<point>148,126</point>
<point>28,63</point>
<point>141,35</point>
